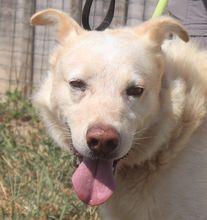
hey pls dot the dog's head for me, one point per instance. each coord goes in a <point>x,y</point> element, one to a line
<point>104,88</point>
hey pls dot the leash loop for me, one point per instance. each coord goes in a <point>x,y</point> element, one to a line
<point>105,23</point>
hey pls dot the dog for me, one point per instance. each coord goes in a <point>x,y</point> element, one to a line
<point>130,103</point>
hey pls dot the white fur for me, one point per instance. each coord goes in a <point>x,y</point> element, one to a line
<point>164,176</point>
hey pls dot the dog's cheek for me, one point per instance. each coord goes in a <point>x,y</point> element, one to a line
<point>76,95</point>
<point>148,110</point>
<point>126,144</point>
<point>78,134</point>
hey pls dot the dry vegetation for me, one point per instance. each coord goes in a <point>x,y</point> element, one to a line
<point>35,174</point>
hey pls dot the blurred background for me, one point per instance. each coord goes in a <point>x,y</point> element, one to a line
<point>35,175</point>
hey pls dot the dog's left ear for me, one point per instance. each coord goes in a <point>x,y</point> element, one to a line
<point>65,24</point>
<point>157,29</point>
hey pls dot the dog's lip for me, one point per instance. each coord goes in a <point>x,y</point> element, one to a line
<point>75,151</point>
<point>80,157</point>
<point>91,155</point>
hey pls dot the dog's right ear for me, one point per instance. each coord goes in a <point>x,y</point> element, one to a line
<point>157,28</point>
<point>65,24</point>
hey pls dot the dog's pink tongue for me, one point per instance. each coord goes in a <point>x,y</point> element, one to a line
<point>93,181</point>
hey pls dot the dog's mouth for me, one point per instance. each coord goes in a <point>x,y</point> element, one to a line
<point>93,179</point>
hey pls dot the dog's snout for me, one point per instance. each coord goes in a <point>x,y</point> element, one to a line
<point>102,139</point>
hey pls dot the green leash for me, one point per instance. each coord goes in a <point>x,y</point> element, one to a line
<point>160,8</point>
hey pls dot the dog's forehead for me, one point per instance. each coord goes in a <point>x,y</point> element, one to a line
<point>109,53</point>
<point>105,46</point>
<point>109,44</point>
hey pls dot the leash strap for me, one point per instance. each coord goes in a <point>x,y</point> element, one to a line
<point>160,8</point>
<point>105,23</point>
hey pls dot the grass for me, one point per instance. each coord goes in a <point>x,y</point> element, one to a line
<point>35,175</point>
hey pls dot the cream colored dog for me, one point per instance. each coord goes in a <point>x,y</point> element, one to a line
<point>133,109</point>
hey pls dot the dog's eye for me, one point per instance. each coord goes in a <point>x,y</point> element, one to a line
<point>78,84</point>
<point>134,91</point>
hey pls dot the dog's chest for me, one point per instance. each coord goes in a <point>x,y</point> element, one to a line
<point>177,192</point>
<point>133,199</point>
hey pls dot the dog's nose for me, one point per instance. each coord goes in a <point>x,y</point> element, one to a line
<point>102,139</point>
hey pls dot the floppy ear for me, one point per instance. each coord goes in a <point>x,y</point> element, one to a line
<point>158,28</point>
<point>65,24</point>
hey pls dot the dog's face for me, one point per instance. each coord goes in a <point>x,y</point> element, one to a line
<point>105,80</point>
<point>106,85</point>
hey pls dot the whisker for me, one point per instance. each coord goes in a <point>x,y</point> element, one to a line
<point>142,138</point>
<point>139,131</point>
<point>55,125</point>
